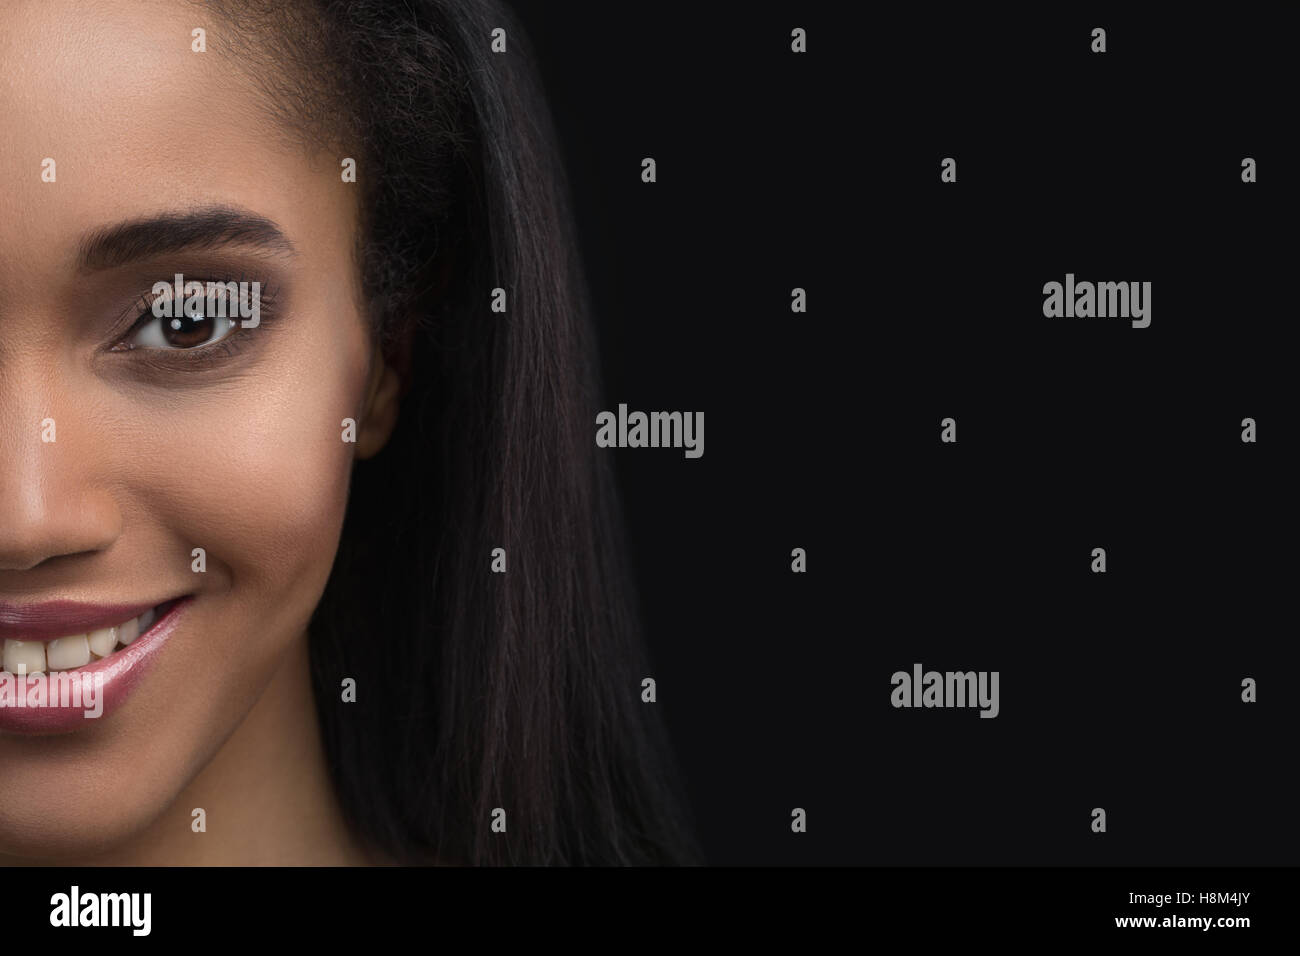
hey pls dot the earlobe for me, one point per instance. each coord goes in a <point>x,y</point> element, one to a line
<point>383,398</point>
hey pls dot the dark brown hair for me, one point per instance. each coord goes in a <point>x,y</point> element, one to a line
<point>475,690</point>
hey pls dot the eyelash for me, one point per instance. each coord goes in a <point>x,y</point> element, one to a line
<point>201,356</point>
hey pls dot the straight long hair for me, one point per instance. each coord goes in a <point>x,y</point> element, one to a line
<point>479,692</point>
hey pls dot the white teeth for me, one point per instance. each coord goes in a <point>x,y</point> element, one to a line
<point>128,632</point>
<point>103,641</point>
<point>75,650</point>
<point>66,653</point>
<point>146,621</point>
<point>25,657</point>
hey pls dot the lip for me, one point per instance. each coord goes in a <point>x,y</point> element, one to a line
<point>45,622</point>
<point>120,674</point>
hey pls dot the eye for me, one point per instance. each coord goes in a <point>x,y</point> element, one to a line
<point>183,331</point>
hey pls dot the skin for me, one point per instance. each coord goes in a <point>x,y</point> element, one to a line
<point>242,456</point>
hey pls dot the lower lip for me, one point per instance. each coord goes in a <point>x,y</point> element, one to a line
<point>62,713</point>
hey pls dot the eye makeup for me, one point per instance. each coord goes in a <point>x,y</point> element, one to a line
<point>175,338</point>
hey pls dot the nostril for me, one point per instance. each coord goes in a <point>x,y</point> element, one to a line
<point>39,527</point>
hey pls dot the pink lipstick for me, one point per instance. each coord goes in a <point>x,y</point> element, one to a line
<point>68,664</point>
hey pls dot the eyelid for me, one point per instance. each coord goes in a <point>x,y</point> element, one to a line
<point>140,313</point>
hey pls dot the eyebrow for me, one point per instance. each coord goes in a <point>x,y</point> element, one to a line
<point>207,228</point>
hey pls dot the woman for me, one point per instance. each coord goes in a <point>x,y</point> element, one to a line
<point>337,542</point>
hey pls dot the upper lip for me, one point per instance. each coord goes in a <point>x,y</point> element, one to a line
<point>63,618</point>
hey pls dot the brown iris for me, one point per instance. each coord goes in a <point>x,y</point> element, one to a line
<point>189,331</point>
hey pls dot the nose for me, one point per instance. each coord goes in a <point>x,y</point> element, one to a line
<point>52,500</point>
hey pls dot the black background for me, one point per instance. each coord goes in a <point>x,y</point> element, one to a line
<point>821,171</point>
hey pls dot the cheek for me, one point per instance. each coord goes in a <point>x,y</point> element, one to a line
<point>274,467</point>
<point>260,483</point>
<point>254,471</point>
<point>257,476</point>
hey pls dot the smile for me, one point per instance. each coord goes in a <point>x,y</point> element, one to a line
<point>103,650</point>
<point>73,651</point>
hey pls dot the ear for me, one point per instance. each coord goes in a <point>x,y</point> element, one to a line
<point>379,416</point>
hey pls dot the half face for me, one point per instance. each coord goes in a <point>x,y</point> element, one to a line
<point>137,428</point>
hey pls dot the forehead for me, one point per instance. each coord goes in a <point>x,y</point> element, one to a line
<point>138,122</point>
